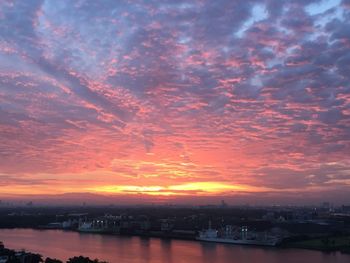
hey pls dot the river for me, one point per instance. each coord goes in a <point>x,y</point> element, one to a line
<point>120,249</point>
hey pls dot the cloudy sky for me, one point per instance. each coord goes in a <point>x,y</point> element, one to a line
<point>176,100</point>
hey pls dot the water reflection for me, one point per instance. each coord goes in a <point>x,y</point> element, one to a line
<point>209,251</point>
<point>144,249</point>
<point>166,250</point>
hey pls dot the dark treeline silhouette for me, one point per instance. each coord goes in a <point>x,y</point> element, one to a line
<point>79,259</point>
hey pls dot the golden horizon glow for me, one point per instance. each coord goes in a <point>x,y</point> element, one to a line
<point>181,189</point>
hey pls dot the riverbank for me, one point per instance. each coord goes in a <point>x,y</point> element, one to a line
<point>325,244</point>
<point>322,244</point>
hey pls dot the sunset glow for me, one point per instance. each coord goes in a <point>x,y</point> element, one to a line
<point>183,189</point>
<point>248,100</point>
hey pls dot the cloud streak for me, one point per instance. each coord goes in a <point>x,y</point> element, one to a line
<point>160,94</point>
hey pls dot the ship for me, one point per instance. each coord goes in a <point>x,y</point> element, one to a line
<point>89,227</point>
<point>240,236</point>
<point>99,226</point>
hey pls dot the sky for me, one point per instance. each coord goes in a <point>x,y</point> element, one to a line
<point>175,101</point>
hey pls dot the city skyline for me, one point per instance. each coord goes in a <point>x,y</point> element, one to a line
<point>175,101</point>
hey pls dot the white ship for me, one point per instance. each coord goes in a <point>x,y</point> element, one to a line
<point>89,227</point>
<point>241,237</point>
<point>106,224</point>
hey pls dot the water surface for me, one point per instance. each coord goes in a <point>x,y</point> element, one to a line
<point>115,249</point>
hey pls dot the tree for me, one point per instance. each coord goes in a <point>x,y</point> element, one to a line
<point>32,258</point>
<point>82,259</point>
<point>52,260</point>
<point>325,241</point>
